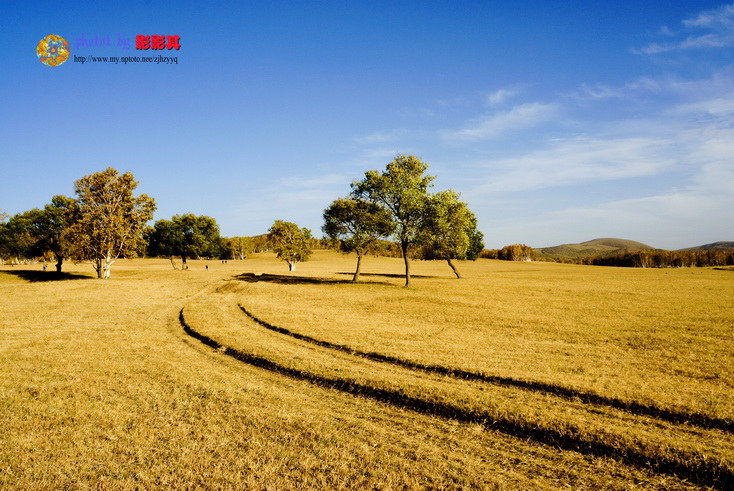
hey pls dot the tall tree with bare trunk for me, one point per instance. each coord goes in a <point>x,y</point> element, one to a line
<point>108,221</point>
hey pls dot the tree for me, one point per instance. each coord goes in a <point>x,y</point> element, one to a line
<point>357,224</point>
<point>241,246</point>
<point>185,236</point>
<point>108,220</point>
<point>17,237</point>
<point>402,189</point>
<point>516,252</point>
<point>290,243</point>
<point>51,226</point>
<point>39,233</point>
<point>449,229</point>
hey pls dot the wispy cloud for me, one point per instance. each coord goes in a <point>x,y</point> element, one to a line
<point>380,137</point>
<point>576,161</point>
<point>709,29</point>
<point>500,96</point>
<point>494,125</point>
<point>602,91</point>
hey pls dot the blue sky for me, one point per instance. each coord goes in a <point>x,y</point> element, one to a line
<point>558,122</point>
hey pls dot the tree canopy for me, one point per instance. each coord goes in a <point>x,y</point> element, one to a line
<point>39,233</point>
<point>357,224</point>
<point>185,236</point>
<point>402,189</point>
<point>290,243</point>
<point>449,229</point>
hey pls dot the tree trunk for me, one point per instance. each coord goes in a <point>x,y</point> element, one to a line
<point>59,262</point>
<point>107,267</point>
<point>173,264</point>
<point>103,265</point>
<point>404,249</point>
<point>456,271</point>
<point>359,267</point>
<point>291,266</point>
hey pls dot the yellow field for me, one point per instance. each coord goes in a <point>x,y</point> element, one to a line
<point>520,375</point>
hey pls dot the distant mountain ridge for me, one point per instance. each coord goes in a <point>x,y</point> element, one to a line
<point>712,246</point>
<point>611,246</point>
<point>591,248</point>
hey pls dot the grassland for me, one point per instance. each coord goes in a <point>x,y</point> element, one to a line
<point>527,375</point>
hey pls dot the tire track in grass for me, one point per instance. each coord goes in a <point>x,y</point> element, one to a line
<point>569,393</point>
<point>693,467</point>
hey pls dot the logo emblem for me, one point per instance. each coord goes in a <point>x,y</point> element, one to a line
<point>53,50</point>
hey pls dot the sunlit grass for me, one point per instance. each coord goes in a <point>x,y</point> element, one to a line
<point>99,387</point>
<point>660,336</point>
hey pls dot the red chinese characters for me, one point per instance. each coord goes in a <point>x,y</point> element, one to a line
<point>157,42</point>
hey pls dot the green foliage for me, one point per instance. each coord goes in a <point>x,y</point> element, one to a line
<point>17,237</point>
<point>449,228</point>
<point>402,189</point>
<point>357,224</point>
<point>240,247</point>
<point>107,221</point>
<point>38,233</point>
<point>290,243</point>
<point>51,227</point>
<point>666,259</point>
<point>185,236</point>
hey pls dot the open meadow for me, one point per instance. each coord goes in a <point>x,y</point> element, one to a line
<point>517,376</point>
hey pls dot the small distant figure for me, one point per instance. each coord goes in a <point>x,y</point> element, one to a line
<point>44,266</point>
<point>207,267</point>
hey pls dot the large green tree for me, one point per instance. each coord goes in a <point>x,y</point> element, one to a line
<point>39,233</point>
<point>290,243</point>
<point>357,224</point>
<point>108,221</point>
<point>450,230</point>
<point>17,237</point>
<point>185,236</point>
<point>51,228</point>
<point>402,189</point>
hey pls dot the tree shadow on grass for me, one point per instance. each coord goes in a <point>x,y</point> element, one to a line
<point>39,276</point>
<point>391,275</point>
<point>294,280</point>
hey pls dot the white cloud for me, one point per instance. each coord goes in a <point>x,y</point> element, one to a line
<point>718,24</point>
<point>380,137</point>
<point>494,125</point>
<point>601,91</point>
<point>579,160</point>
<point>698,208</point>
<point>500,96</point>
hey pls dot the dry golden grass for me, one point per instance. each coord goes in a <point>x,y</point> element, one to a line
<point>100,387</point>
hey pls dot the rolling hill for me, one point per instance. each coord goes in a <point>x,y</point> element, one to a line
<point>596,247</point>
<point>713,246</point>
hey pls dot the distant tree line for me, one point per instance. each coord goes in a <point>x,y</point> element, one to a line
<point>514,252</point>
<point>105,222</point>
<point>665,259</point>
<point>387,213</point>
